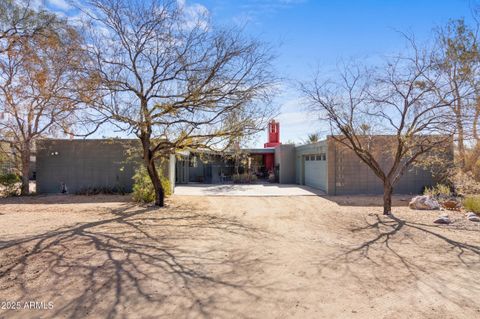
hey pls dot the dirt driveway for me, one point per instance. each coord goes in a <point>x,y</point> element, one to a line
<point>234,257</point>
<point>262,190</point>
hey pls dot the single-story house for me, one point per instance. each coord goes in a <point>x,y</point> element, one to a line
<point>111,163</point>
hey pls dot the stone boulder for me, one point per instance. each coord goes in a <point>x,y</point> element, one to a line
<point>424,202</point>
<point>442,220</point>
<point>473,217</point>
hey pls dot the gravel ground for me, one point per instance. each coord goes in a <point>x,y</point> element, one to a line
<point>230,257</point>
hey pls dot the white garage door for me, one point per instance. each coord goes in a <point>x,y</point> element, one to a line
<point>316,171</point>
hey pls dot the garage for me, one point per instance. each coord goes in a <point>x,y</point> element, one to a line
<point>316,171</point>
<point>311,165</point>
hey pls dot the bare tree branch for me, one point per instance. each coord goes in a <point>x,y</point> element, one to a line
<point>174,82</point>
<point>389,117</point>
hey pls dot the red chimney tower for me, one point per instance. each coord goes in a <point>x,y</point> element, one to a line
<point>273,141</point>
<point>273,134</point>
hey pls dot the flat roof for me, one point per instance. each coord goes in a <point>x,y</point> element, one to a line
<point>268,150</point>
<point>246,150</point>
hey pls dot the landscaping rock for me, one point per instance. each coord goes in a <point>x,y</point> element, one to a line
<point>424,203</point>
<point>452,204</point>
<point>442,220</point>
<point>473,217</point>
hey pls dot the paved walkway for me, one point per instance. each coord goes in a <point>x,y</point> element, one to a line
<point>246,190</point>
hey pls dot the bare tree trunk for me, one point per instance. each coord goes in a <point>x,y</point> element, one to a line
<point>157,184</point>
<point>152,171</point>
<point>25,168</point>
<point>476,136</point>
<point>461,142</point>
<point>475,122</point>
<point>387,198</point>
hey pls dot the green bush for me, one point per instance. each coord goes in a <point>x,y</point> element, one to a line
<point>472,204</point>
<point>9,183</point>
<point>143,190</point>
<point>438,191</point>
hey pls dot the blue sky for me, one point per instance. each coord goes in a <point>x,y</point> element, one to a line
<point>317,33</point>
<point>307,34</point>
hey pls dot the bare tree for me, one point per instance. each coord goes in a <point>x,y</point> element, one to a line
<point>18,21</point>
<point>389,117</point>
<point>458,61</point>
<point>40,80</point>
<point>174,80</point>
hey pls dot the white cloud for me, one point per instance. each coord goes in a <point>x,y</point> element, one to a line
<point>32,4</point>
<point>292,1</point>
<point>195,14</point>
<point>262,6</point>
<point>253,11</point>
<point>60,4</point>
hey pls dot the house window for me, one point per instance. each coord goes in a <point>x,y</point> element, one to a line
<point>324,157</point>
<point>307,158</point>
<point>318,157</point>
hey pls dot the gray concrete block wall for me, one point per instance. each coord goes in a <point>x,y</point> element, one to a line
<point>285,158</point>
<point>331,163</point>
<point>87,164</point>
<point>299,169</point>
<point>352,176</point>
<point>84,164</point>
<point>349,175</point>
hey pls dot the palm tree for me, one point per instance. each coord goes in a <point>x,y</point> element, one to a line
<point>312,138</point>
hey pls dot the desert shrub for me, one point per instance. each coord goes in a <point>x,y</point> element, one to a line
<point>472,162</point>
<point>472,204</point>
<point>244,178</point>
<point>143,190</point>
<point>439,190</point>
<point>9,183</point>
<point>465,183</point>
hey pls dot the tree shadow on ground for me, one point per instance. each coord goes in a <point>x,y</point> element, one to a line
<point>417,258</point>
<point>368,200</point>
<point>140,262</point>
